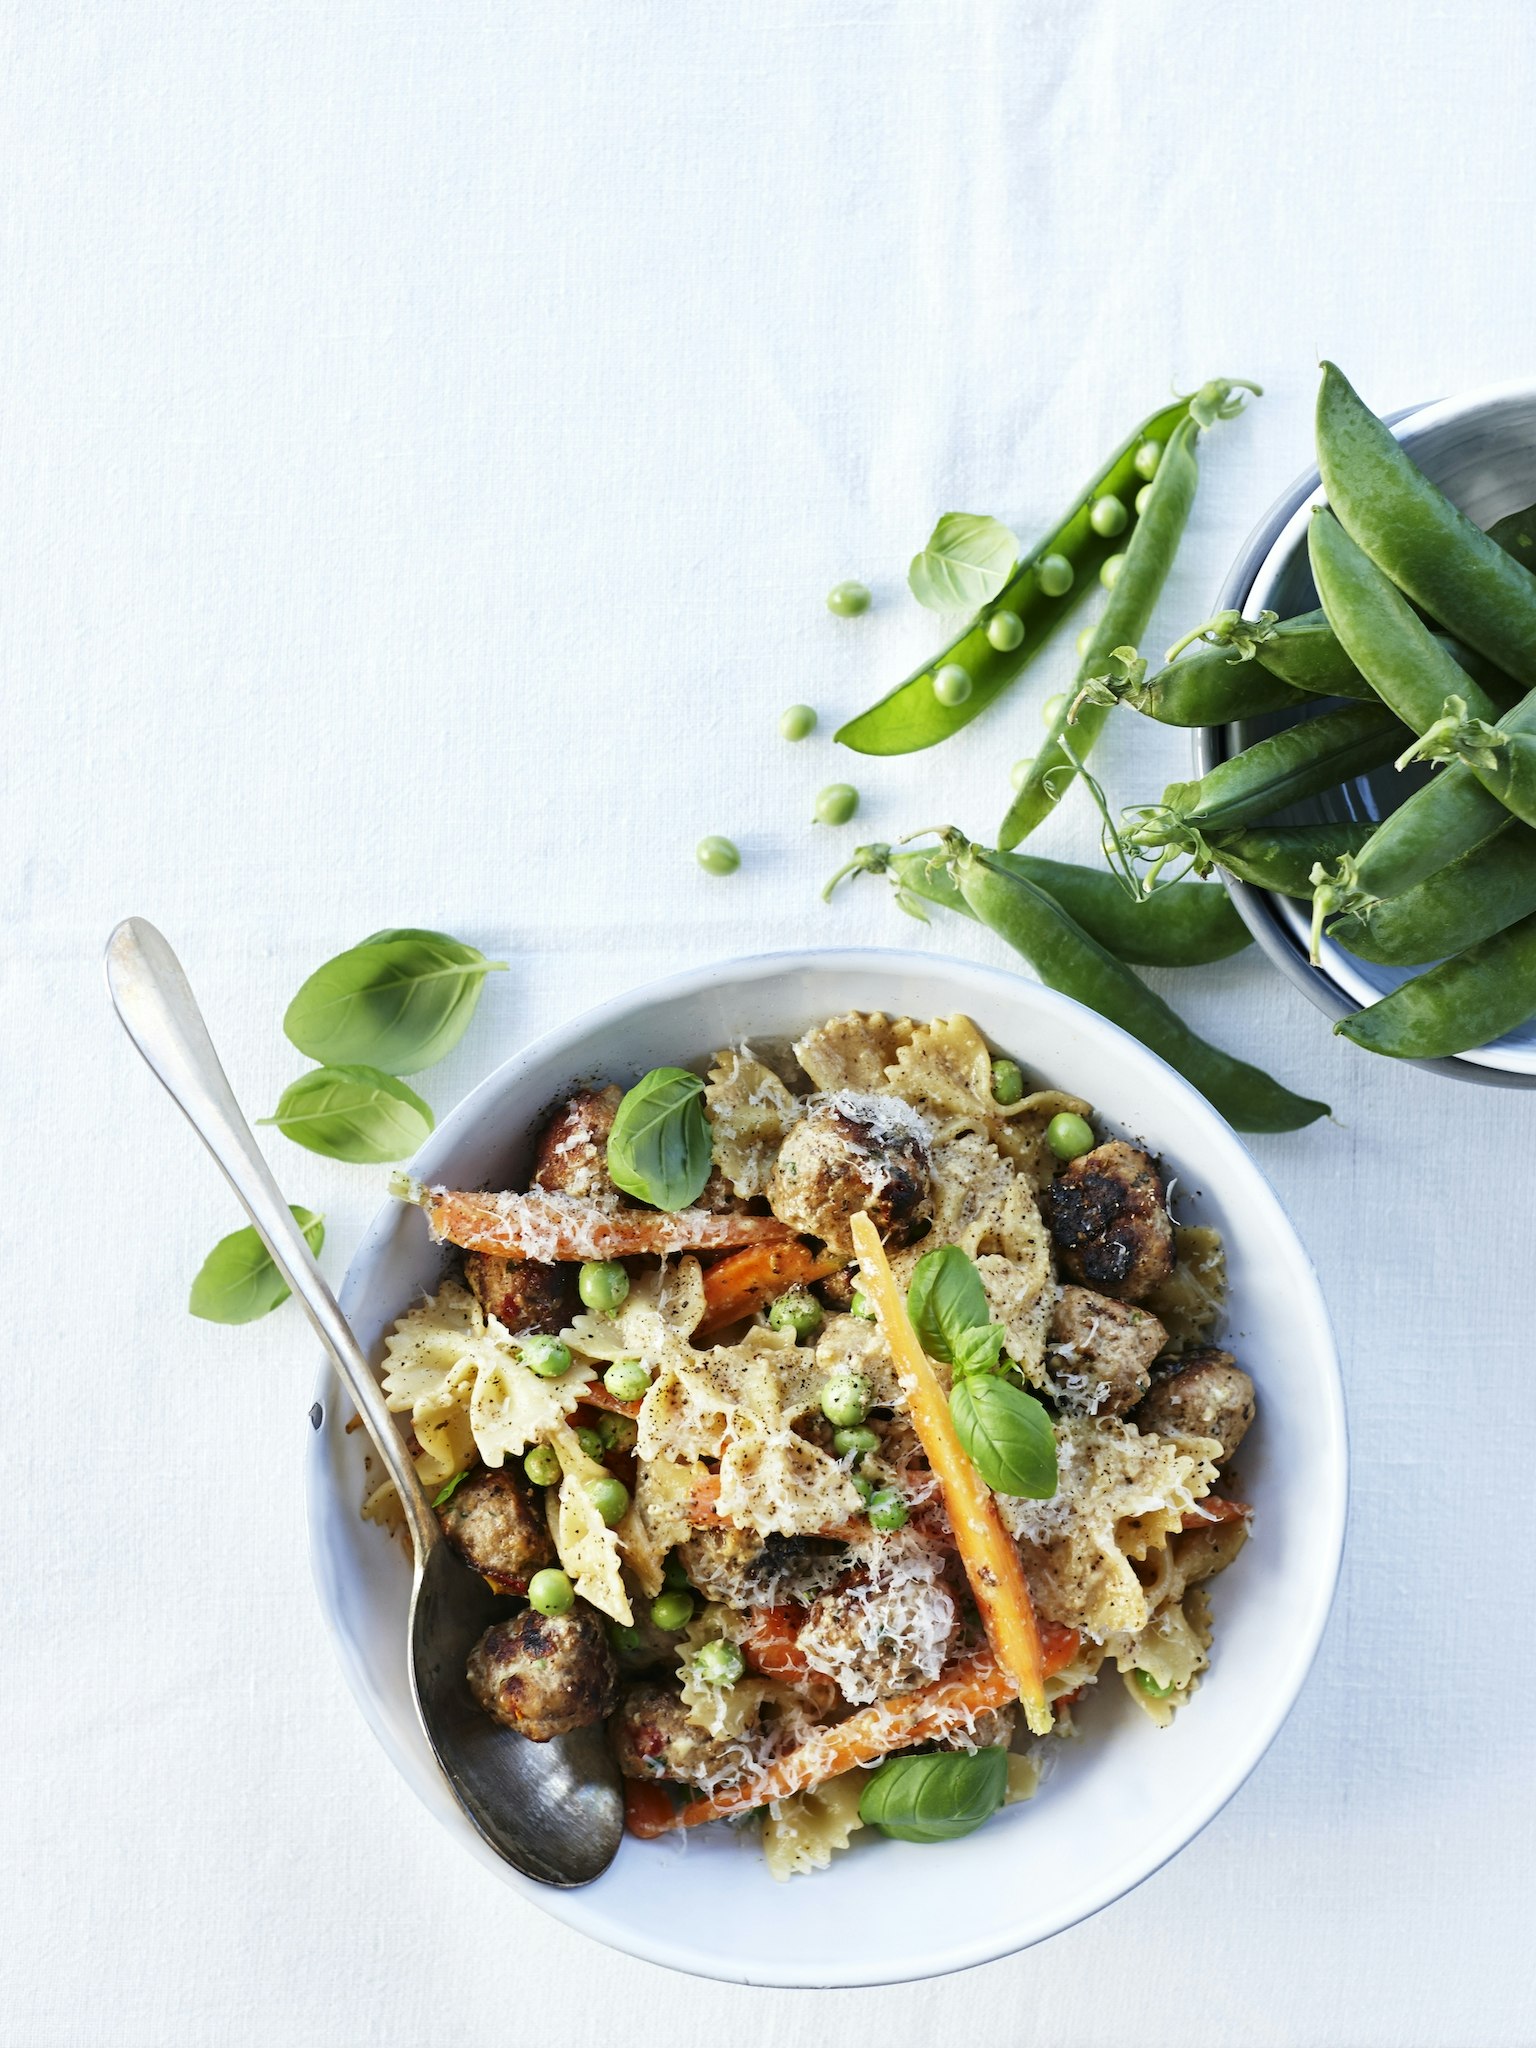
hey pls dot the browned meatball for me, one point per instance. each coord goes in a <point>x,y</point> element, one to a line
<point>495,1524</point>
<point>744,1569</point>
<point>1209,1395</point>
<point>573,1148</point>
<point>1110,1221</point>
<point>854,1152</point>
<point>652,1737</point>
<point>1104,1350</point>
<point>837,1290</point>
<point>544,1674</point>
<point>522,1293</point>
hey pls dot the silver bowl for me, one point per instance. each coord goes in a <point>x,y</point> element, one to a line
<point>1481,450</point>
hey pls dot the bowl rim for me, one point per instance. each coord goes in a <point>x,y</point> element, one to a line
<point>582,1908</point>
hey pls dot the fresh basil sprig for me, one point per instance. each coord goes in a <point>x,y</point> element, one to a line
<point>399,1001</point>
<point>660,1149</point>
<point>1006,1434</point>
<point>935,1798</point>
<point>945,1299</point>
<point>968,559</point>
<point>238,1282</point>
<point>354,1113</point>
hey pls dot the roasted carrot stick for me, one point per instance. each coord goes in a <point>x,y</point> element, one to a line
<point>740,1284</point>
<point>553,1227</point>
<point>987,1551</point>
<point>1215,1508</point>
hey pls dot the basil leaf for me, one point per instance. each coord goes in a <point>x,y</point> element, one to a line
<point>660,1149</point>
<point>399,1001</point>
<point>967,561</point>
<point>979,1350</point>
<point>945,1298</point>
<point>935,1798</point>
<point>238,1282</point>
<point>441,1499</point>
<point>353,1113</point>
<point>1006,1434</point>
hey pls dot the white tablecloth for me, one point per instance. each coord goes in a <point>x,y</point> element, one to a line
<point>428,433</point>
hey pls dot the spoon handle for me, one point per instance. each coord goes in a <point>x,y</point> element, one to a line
<point>158,1010</point>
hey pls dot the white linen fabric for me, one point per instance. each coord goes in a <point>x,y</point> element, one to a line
<point>428,436</point>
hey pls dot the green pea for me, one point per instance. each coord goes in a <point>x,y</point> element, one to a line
<point>1151,1688</point>
<point>602,1284</point>
<point>1055,575</point>
<point>618,1432</point>
<point>672,1611</point>
<point>845,1399</point>
<point>865,1488</point>
<point>624,1638</point>
<point>1070,1135</point>
<point>887,1510</point>
<point>862,1306</point>
<point>1146,459</point>
<point>546,1356</point>
<point>719,1663</point>
<point>797,723</point>
<point>551,1592</point>
<point>627,1379</point>
<point>797,1311</point>
<point>848,599</point>
<point>951,684</point>
<point>717,856</point>
<point>542,1466</point>
<point>1052,709</point>
<point>1142,497</point>
<point>836,804</point>
<point>1007,1082</point>
<point>1018,774</point>
<point>610,1497</point>
<point>1005,631</point>
<point>592,1444</point>
<point>1107,517</point>
<point>854,1443</point>
<point>1109,570</point>
<point>674,1574</point>
<point>1083,640</point>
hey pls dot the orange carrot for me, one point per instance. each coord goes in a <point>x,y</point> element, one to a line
<point>987,1551</point>
<point>553,1227</point>
<point>648,1809</point>
<point>773,1647</point>
<point>1215,1508</point>
<point>596,1395</point>
<point>739,1285</point>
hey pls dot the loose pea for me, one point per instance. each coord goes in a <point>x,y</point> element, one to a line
<point>1069,1135</point>
<point>797,1311</point>
<point>719,1663</point>
<point>887,1510</point>
<point>845,1399</point>
<point>550,1592</point>
<point>1109,570</point>
<point>717,856</point>
<point>624,1638</point>
<point>546,1356</point>
<point>1083,639</point>
<point>602,1284</point>
<point>1107,517</point>
<point>1007,1082</point>
<point>1052,709</point>
<point>1146,459</point>
<point>848,599</point>
<point>591,1443</point>
<point>618,1432</point>
<point>1018,774</point>
<point>1150,1686</point>
<point>854,1443</point>
<point>672,1611</point>
<point>674,1574</point>
<point>1055,575</point>
<point>1005,630</point>
<point>542,1466</point>
<point>797,723</point>
<point>951,684</point>
<point>610,1497</point>
<point>865,1488</point>
<point>627,1379</point>
<point>1141,499</point>
<point>861,1305</point>
<point>836,804</point>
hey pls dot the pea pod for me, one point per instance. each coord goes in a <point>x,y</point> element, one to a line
<point>1186,924</point>
<point>1281,857</point>
<point>1210,687</point>
<point>1305,652</point>
<point>1483,892</point>
<point>1066,958</point>
<point>1466,1001</point>
<point>1123,621</point>
<point>1414,534</point>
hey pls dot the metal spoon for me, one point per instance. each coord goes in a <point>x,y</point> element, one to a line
<point>553,1810</point>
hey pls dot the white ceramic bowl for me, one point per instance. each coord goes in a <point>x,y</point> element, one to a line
<point>1118,1803</point>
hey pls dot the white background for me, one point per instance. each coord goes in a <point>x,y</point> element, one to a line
<point>426,435</point>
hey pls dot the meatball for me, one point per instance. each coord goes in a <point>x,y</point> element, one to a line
<point>1209,1395</point>
<point>1109,1347</point>
<point>495,1524</point>
<point>653,1737</point>
<point>1110,1221</point>
<point>854,1152</point>
<point>544,1674</point>
<point>522,1293</point>
<point>837,1290</point>
<point>743,1569</point>
<point>573,1148</point>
